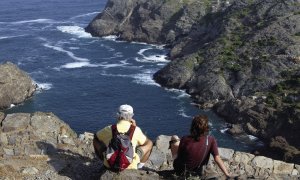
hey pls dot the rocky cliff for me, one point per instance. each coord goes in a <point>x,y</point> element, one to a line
<point>242,57</point>
<point>41,146</point>
<point>15,85</point>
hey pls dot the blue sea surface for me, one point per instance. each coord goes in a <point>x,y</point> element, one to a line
<point>83,79</point>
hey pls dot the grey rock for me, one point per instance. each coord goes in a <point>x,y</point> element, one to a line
<point>15,85</point>
<point>263,162</point>
<point>30,170</point>
<point>15,122</point>
<point>162,143</point>
<point>283,168</point>
<point>226,153</point>
<point>157,158</point>
<point>8,152</point>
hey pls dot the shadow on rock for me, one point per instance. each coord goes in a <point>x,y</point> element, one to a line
<point>71,164</point>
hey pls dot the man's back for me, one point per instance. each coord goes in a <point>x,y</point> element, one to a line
<point>138,138</point>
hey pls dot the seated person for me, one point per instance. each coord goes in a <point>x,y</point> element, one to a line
<point>192,152</point>
<point>141,144</point>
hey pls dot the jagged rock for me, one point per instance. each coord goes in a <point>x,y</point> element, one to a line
<point>283,168</point>
<point>243,157</point>
<point>263,162</point>
<point>30,170</point>
<point>15,121</point>
<point>162,143</point>
<point>226,153</point>
<point>15,85</point>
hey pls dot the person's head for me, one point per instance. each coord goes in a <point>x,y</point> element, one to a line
<point>199,126</point>
<point>125,112</point>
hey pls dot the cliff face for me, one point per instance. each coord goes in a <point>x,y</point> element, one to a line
<point>15,85</point>
<point>41,146</point>
<point>242,57</point>
<point>153,21</point>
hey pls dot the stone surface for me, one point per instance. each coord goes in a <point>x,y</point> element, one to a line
<point>243,157</point>
<point>226,153</point>
<point>15,121</point>
<point>30,170</point>
<point>283,168</point>
<point>15,85</point>
<point>263,162</point>
<point>53,159</point>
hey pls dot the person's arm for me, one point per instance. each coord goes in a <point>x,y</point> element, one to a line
<point>221,165</point>
<point>217,157</point>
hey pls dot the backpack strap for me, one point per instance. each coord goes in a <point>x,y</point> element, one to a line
<point>114,130</point>
<point>130,131</point>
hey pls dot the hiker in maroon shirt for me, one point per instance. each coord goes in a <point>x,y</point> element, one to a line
<point>193,151</point>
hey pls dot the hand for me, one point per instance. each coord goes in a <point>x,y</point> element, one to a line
<point>132,121</point>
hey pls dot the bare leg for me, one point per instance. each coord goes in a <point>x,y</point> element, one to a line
<point>146,151</point>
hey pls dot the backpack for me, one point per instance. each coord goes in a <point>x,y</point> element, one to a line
<point>119,153</point>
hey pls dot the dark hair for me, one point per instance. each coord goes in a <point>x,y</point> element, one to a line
<point>199,126</point>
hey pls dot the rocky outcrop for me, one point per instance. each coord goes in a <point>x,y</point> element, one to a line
<point>15,85</point>
<point>153,21</point>
<point>41,146</point>
<point>225,53</point>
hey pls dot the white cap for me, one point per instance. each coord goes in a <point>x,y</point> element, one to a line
<point>125,108</point>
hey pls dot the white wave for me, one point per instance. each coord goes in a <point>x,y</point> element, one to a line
<point>180,93</point>
<point>110,37</point>
<point>224,130</point>
<point>183,114</point>
<point>153,45</point>
<point>114,75</point>
<point>253,138</point>
<point>44,21</point>
<point>84,15</point>
<point>74,65</point>
<point>152,58</point>
<point>43,86</point>
<point>9,37</point>
<point>74,30</point>
<point>12,105</point>
<point>145,78</point>
<point>69,53</point>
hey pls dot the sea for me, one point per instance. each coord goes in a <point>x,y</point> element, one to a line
<point>84,79</point>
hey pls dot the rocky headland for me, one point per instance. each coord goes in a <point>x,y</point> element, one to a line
<point>41,146</point>
<point>15,85</point>
<point>240,58</point>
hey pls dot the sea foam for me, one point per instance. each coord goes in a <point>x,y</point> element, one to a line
<point>151,58</point>
<point>69,53</point>
<point>74,65</point>
<point>43,86</point>
<point>74,30</point>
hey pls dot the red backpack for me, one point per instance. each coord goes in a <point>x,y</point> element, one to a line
<point>119,153</point>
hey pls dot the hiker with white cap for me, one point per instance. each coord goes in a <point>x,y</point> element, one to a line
<point>123,145</point>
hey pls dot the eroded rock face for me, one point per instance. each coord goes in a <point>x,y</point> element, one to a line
<point>15,85</point>
<point>41,146</point>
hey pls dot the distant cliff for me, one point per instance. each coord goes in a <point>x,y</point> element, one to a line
<point>240,57</point>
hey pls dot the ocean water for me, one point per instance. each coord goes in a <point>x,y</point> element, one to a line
<point>84,79</point>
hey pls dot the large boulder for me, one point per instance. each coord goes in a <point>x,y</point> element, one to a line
<point>15,85</point>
